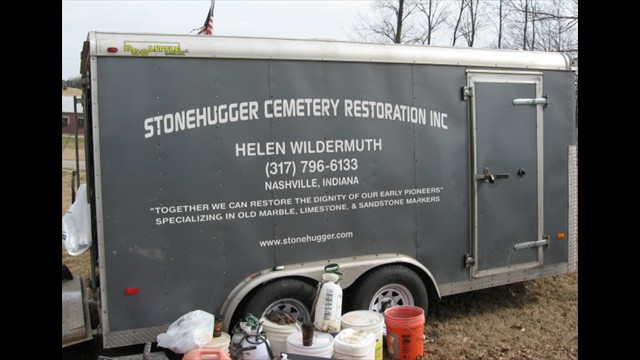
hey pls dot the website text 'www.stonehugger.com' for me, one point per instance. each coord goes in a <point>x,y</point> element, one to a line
<point>293,240</point>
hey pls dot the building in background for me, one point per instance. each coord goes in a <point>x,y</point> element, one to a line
<point>69,118</point>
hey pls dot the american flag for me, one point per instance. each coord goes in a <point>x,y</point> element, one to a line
<point>207,28</point>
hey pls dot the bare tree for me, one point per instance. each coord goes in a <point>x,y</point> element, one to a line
<point>534,30</point>
<point>461,6</point>
<point>500,22</point>
<point>568,11</point>
<point>547,25</point>
<point>471,22</point>
<point>399,20</point>
<point>434,14</point>
<point>525,34</point>
<point>518,33</point>
<point>393,23</point>
<point>73,82</point>
<point>557,26</point>
<point>497,15</point>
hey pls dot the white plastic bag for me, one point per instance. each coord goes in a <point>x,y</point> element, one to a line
<point>76,224</point>
<point>191,331</point>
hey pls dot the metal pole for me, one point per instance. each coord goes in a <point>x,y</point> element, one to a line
<point>75,113</point>
<point>85,111</point>
<point>73,186</point>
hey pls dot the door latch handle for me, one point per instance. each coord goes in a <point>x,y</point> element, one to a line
<point>487,176</point>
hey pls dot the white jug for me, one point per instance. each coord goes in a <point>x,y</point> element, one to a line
<point>329,305</point>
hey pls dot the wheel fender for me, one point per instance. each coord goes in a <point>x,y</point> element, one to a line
<point>352,267</point>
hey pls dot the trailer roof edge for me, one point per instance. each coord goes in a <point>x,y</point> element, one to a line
<point>198,46</point>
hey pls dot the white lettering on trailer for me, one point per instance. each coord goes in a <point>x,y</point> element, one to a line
<point>329,198</point>
<point>248,209</point>
<point>286,108</point>
<point>194,118</point>
<point>423,200</point>
<point>271,202</point>
<point>335,146</point>
<point>379,203</point>
<point>218,206</point>
<point>238,204</point>
<point>307,147</point>
<point>291,184</point>
<point>390,193</point>
<point>179,208</point>
<point>188,219</point>
<point>323,208</point>
<point>339,181</point>
<point>260,149</point>
<point>384,111</point>
<point>289,108</point>
<point>277,212</point>
<point>436,119</point>
<point>422,191</point>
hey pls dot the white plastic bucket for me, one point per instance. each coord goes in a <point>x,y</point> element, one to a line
<point>251,337</point>
<point>367,321</point>
<point>260,352</point>
<point>322,346</point>
<point>354,344</point>
<point>222,342</point>
<point>277,335</point>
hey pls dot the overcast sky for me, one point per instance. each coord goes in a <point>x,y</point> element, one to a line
<point>327,19</point>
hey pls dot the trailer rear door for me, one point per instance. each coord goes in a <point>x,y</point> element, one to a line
<point>506,112</point>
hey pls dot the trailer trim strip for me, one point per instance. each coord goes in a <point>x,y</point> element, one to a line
<point>573,208</point>
<point>134,336</point>
<point>194,46</point>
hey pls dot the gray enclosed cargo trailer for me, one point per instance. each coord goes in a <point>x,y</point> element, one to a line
<point>225,173</point>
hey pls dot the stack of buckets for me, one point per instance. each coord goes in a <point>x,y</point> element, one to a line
<point>321,347</point>
<point>222,342</point>
<point>217,348</point>
<point>277,334</point>
<point>361,336</point>
<point>368,321</point>
<point>354,344</point>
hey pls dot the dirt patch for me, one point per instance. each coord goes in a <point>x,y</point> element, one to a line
<point>535,319</point>
<point>69,147</point>
<point>72,92</point>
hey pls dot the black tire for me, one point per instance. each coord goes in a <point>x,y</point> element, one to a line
<point>290,295</point>
<point>395,283</point>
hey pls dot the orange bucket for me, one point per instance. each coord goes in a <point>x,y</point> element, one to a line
<point>206,354</point>
<point>405,328</point>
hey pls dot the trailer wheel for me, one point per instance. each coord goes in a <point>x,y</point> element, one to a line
<point>289,295</point>
<point>393,285</point>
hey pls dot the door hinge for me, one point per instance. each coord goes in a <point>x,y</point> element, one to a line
<point>469,260</point>
<point>466,92</point>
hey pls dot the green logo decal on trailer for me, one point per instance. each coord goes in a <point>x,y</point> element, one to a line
<point>144,48</point>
